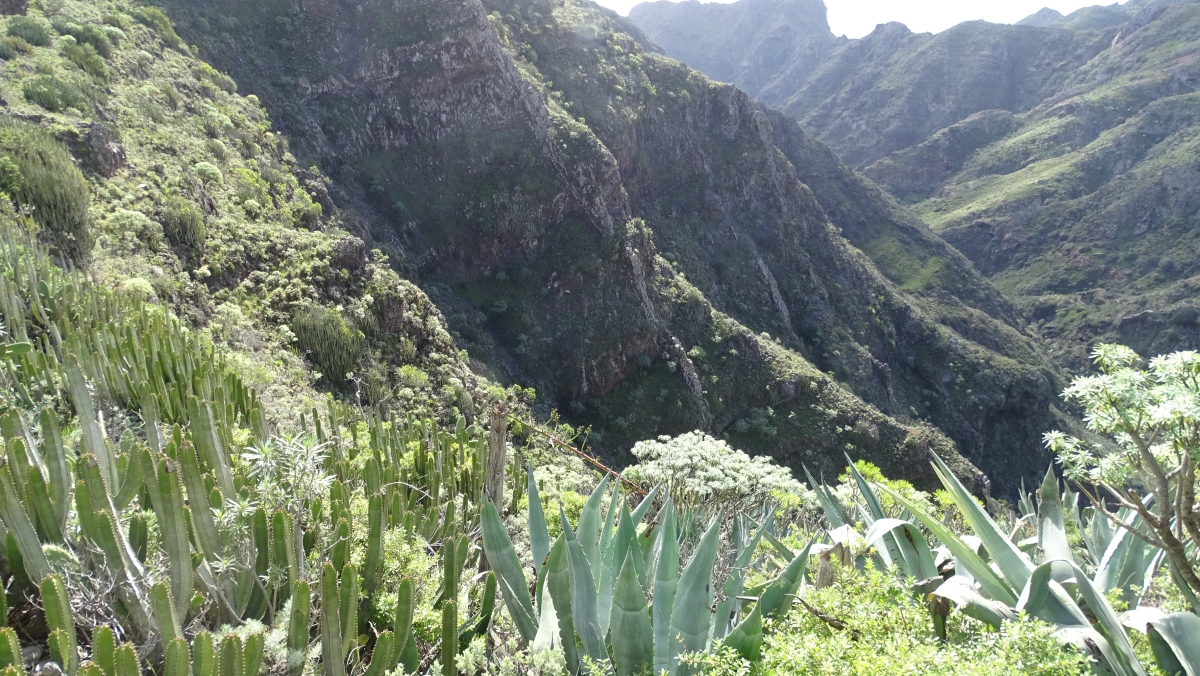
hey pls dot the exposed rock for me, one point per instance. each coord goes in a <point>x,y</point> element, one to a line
<point>106,153</point>
<point>8,7</point>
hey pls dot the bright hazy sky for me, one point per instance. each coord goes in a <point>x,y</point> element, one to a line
<point>856,18</point>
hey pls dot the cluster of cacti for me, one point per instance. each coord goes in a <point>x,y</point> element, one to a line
<point>999,576</point>
<point>166,516</point>
<point>334,346</point>
<point>593,585</point>
<point>42,177</point>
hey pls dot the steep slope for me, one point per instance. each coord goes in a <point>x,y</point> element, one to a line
<point>189,199</point>
<point>752,44</point>
<point>1057,154</point>
<point>1086,206</point>
<point>635,240</point>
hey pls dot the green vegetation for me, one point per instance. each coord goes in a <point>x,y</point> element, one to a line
<point>40,176</point>
<point>1152,416</point>
<point>333,345</point>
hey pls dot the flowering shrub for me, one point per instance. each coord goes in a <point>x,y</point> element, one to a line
<point>705,473</point>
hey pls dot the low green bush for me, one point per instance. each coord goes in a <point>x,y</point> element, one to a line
<point>86,35</point>
<point>56,95</point>
<point>31,30</point>
<point>87,58</point>
<point>7,53</point>
<point>334,346</point>
<point>50,184</point>
<point>183,226</point>
<point>209,174</point>
<point>871,624</point>
<point>161,24</point>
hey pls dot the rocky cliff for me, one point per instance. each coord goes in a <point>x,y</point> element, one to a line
<point>1057,154</point>
<point>653,251</point>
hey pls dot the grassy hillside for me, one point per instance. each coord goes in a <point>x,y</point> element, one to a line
<point>186,197</point>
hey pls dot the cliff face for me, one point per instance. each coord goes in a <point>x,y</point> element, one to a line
<point>750,43</point>
<point>653,251</point>
<point>1057,154</point>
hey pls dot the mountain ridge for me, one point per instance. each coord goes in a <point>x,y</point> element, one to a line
<point>1055,153</point>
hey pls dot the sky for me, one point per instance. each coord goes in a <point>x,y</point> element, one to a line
<point>856,18</point>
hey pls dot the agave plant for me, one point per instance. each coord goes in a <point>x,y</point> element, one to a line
<point>594,583</point>
<point>995,580</point>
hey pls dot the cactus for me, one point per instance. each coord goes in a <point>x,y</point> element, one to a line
<point>104,650</point>
<point>126,662</point>
<point>341,544</point>
<point>59,619</point>
<point>19,527</point>
<point>283,549</point>
<point>204,655</point>
<point>297,638</point>
<point>348,598</point>
<point>10,652</point>
<point>372,563</point>
<point>332,657</point>
<point>450,570</point>
<point>163,607</point>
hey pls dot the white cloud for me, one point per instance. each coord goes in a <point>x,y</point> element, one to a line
<point>856,18</point>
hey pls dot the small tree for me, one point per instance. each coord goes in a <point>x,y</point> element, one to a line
<point>1153,415</point>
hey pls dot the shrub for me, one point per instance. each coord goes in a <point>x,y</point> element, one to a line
<point>706,473</point>
<point>86,35</point>
<point>183,226</point>
<point>7,53</point>
<point>887,631</point>
<point>29,29</point>
<point>57,95</point>
<point>218,150</point>
<point>159,23</point>
<point>87,58</point>
<point>51,185</point>
<point>209,174</point>
<point>325,337</point>
<point>18,44</point>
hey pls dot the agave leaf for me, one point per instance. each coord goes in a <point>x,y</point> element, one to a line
<point>583,600</point>
<point>548,633</point>
<point>558,584</point>
<point>834,514</point>
<point>666,582</point>
<point>539,534</point>
<point>503,559</point>
<point>962,592</point>
<point>992,584</point>
<point>1093,644</point>
<point>612,554</point>
<point>897,551</point>
<point>643,507</point>
<point>920,556</point>
<point>1175,640</point>
<point>691,617</point>
<point>1052,533</point>
<point>1014,566</point>
<point>632,634</point>
<point>731,608</point>
<point>1107,622</point>
<point>1046,599</point>
<point>777,597</point>
<point>588,529</point>
<point>747,636</point>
